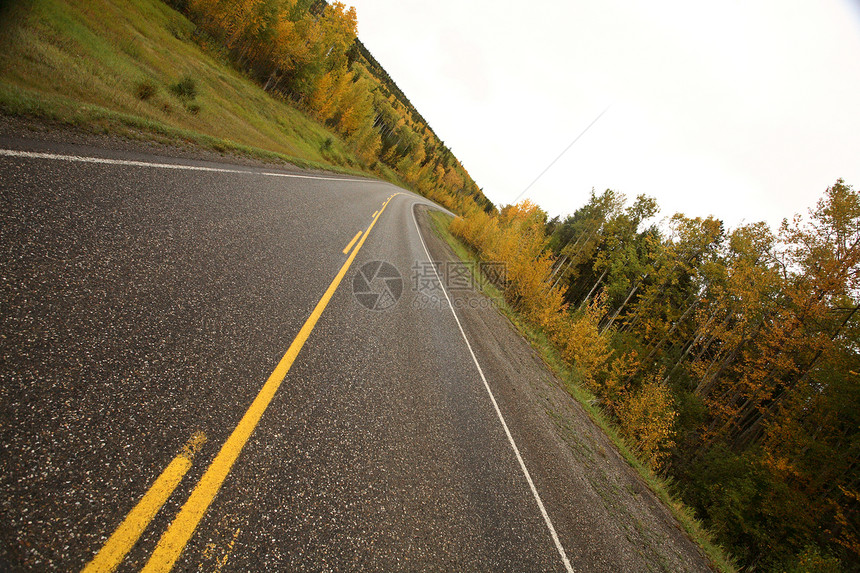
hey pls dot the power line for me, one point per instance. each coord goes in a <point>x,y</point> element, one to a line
<point>560,154</point>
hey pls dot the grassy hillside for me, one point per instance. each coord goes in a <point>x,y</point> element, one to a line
<point>140,66</point>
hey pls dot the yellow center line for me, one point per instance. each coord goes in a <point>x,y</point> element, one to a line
<point>179,532</point>
<point>374,213</point>
<point>130,530</point>
<point>351,243</point>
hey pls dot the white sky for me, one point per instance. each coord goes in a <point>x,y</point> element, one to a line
<point>747,110</point>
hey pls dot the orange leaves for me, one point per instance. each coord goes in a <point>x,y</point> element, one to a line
<point>274,35</point>
<point>551,314</point>
<point>324,98</point>
<point>582,344</point>
<point>522,211</point>
<point>340,23</point>
<point>647,417</point>
<point>516,237</point>
<point>621,371</point>
<point>758,334</point>
<point>367,143</point>
<point>309,53</point>
<point>453,180</point>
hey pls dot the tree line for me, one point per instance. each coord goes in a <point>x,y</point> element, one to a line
<point>730,358</point>
<point>307,51</point>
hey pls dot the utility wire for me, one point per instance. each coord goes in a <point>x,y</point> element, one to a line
<point>553,162</point>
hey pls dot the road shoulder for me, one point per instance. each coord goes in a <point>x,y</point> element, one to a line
<point>607,516</point>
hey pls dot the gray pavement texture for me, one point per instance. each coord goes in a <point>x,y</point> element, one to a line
<point>142,305</point>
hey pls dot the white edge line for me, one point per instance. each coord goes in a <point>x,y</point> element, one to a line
<point>100,160</point>
<point>128,162</point>
<point>514,447</point>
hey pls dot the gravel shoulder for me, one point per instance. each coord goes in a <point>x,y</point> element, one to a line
<point>607,517</point>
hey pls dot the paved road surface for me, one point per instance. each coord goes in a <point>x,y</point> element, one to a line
<point>143,310</point>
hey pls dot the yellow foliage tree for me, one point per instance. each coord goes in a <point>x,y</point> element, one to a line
<point>647,418</point>
<point>614,387</point>
<point>582,344</point>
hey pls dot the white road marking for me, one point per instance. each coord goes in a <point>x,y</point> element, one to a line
<point>513,444</point>
<point>125,162</point>
<point>128,162</point>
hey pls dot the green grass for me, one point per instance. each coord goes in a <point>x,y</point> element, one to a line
<point>139,68</point>
<point>551,356</point>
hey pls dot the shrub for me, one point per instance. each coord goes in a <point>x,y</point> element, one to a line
<point>812,561</point>
<point>145,91</point>
<point>186,88</point>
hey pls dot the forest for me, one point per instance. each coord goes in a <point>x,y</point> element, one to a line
<point>307,52</point>
<point>727,357</point>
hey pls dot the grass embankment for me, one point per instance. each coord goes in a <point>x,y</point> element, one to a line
<point>551,356</point>
<point>138,68</point>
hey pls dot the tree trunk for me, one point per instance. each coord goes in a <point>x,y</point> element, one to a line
<point>600,280</point>
<point>623,304</point>
<point>273,78</point>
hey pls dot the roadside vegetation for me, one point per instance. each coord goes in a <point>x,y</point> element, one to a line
<point>271,78</point>
<point>726,360</point>
<point>135,69</point>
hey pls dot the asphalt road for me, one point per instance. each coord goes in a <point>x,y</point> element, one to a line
<point>145,309</point>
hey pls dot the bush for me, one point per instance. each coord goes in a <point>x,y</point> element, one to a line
<point>812,561</point>
<point>186,88</point>
<point>145,91</point>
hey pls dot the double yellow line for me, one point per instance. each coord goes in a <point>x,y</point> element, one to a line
<point>174,540</point>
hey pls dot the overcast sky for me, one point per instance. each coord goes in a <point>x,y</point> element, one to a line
<point>747,110</point>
